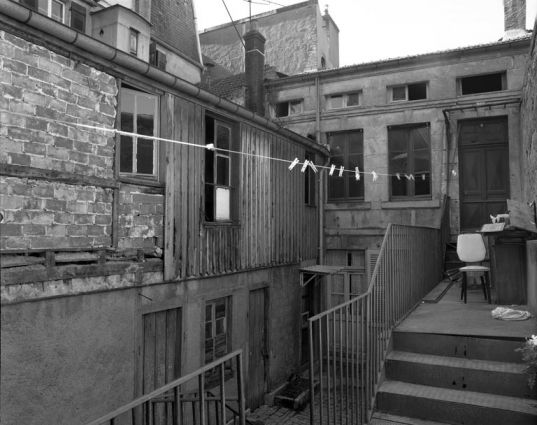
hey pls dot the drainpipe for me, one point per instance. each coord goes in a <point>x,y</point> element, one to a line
<point>320,192</point>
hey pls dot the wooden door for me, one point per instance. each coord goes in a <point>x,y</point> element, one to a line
<point>484,171</point>
<point>161,356</point>
<point>258,354</point>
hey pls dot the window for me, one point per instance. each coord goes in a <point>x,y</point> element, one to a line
<point>138,155</point>
<point>347,150</point>
<point>221,173</point>
<point>416,91</point>
<point>156,57</point>
<point>78,17</point>
<point>284,109</point>
<point>345,100</point>
<point>410,157</point>
<point>52,8</point>
<point>134,41</point>
<point>309,182</point>
<point>482,83</point>
<point>217,332</point>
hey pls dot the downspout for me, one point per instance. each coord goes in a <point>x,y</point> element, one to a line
<point>320,192</point>
<point>446,149</point>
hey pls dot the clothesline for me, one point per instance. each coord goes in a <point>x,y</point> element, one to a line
<point>333,169</point>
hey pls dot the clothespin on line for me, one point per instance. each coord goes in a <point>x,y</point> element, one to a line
<point>357,171</point>
<point>332,168</point>
<point>293,163</point>
<point>210,146</point>
<point>375,176</point>
<point>341,171</point>
<point>313,167</point>
<point>306,162</point>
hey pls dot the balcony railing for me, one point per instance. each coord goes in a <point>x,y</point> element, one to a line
<point>349,343</point>
<point>187,401</point>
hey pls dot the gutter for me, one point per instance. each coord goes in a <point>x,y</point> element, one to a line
<point>94,47</point>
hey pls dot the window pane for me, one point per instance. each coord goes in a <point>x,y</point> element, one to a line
<point>222,170</point>
<point>208,312</point>
<point>222,137</point>
<point>57,11</point>
<point>353,99</point>
<point>337,144</point>
<point>125,162</point>
<point>355,143</point>
<point>420,138</point>
<point>208,330</point>
<point>399,163</point>
<point>417,91</point>
<point>295,107</point>
<point>209,350</point>
<point>422,161</point>
<point>42,7</point>
<point>399,93</point>
<point>336,184</point>
<point>144,157</point>
<point>336,102</point>
<point>209,166</point>
<point>356,187</point>
<point>220,346</point>
<point>209,202</point>
<point>220,308</point>
<point>399,187</point>
<point>423,186</point>
<point>220,326</point>
<point>282,109</point>
<point>223,204</point>
<point>398,140</point>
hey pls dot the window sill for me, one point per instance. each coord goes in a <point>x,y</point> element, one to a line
<point>222,224</point>
<point>347,205</point>
<point>411,204</point>
<point>141,181</point>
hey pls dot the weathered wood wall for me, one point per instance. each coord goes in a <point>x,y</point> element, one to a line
<point>275,226</point>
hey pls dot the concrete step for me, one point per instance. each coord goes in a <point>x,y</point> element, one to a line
<point>458,346</point>
<point>482,376</point>
<point>454,406</point>
<point>381,418</point>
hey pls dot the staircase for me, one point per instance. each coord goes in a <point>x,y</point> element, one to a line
<point>452,379</point>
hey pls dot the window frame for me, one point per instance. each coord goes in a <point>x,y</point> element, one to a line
<point>134,34</point>
<point>344,100</point>
<point>76,9</point>
<point>406,99</point>
<point>212,374</point>
<point>501,74</point>
<point>35,7</point>
<point>410,151</point>
<point>155,176</point>
<point>346,175</point>
<point>289,103</point>
<point>232,170</point>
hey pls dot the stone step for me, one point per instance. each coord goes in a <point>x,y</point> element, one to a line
<point>467,347</point>
<point>454,406</point>
<point>508,379</point>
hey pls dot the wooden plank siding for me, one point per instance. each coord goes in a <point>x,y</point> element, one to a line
<point>275,227</point>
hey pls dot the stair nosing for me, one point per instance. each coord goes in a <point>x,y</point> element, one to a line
<point>493,401</point>
<point>448,361</point>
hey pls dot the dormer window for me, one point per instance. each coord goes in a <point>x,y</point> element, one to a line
<point>406,92</point>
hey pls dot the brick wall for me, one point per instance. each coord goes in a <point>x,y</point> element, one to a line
<point>40,215</point>
<point>141,221</point>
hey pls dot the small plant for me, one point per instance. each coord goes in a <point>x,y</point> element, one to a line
<point>529,356</point>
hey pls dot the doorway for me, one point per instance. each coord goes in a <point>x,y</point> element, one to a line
<point>483,171</point>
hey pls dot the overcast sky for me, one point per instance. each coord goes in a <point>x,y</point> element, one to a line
<point>370,30</point>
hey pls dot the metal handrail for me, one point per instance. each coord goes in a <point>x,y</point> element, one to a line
<point>174,386</point>
<point>349,342</point>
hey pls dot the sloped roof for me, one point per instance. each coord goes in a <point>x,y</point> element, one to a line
<point>224,87</point>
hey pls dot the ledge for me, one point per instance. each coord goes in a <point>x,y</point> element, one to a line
<point>410,205</point>
<point>340,206</point>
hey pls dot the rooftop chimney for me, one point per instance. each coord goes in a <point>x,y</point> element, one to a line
<point>514,19</point>
<point>254,64</point>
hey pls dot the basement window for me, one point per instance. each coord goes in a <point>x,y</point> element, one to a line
<point>407,92</point>
<point>284,109</point>
<point>482,83</point>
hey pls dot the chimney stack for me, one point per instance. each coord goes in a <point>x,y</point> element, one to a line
<point>254,66</point>
<point>514,19</point>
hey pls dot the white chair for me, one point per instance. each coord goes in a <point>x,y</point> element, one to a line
<point>471,249</point>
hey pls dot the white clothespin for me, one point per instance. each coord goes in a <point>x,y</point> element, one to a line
<point>423,176</point>
<point>341,171</point>
<point>293,164</point>
<point>398,176</point>
<point>407,176</point>
<point>357,171</point>
<point>305,166</point>
<point>210,146</point>
<point>313,167</point>
<point>332,168</point>
<point>454,173</point>
<point>375,176</point>
<point>412,177</point>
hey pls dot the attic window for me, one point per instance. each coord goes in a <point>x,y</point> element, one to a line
<point>52,8</point>
<point>284,109</point>
<point>156,57</point>
<point>134,42</point>
<point>482,83</point>
<point>415,91</point>
<point>78,17</point>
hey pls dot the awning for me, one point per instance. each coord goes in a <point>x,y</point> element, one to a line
<point>318,270</point>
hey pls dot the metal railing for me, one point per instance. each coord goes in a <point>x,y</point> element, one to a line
<point>186,401</point>
<point>349,343</point>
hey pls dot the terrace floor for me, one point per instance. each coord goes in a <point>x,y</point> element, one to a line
<point>450,316</point>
